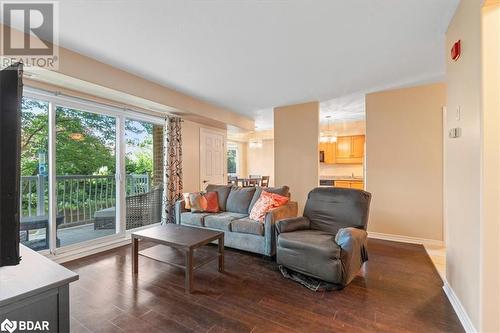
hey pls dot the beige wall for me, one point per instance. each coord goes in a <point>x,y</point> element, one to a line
<point>260,161</point>
<point>490,277</point>
<point>404,161</point>
<point>296,134</point>
<point>191,154</point>
<point>462,159</point>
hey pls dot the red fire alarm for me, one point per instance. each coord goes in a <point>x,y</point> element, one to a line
<point>456,51</point>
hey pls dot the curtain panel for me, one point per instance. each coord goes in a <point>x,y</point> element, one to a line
<point>172,167</point>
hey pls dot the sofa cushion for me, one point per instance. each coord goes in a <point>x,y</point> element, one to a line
<point>311,243</point>
<point>239,199</point>
<point>222,221</point>
<point>193,218</point>
<point>281,190</point>
<point>222,193</point>
<point>247,226</point>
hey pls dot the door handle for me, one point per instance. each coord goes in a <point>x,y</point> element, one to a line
<point>205,181</point>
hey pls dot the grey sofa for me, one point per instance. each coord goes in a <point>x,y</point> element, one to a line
<point>235,204</point>
<point>329,241</point>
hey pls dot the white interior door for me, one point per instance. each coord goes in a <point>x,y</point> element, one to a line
<point>212,158</point>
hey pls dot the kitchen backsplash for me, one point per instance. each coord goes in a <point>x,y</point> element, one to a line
<point>340,169</point>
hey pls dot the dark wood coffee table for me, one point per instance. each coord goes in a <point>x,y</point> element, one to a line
<point>176,247</point>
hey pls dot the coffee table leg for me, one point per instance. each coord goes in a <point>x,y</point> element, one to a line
<point>189,270</point>
<point>221,253</point>
<point>135,255</point>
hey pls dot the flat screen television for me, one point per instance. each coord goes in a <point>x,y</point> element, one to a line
<point>11,92</point>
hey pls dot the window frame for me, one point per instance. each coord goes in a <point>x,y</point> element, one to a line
<point>234,146</point>
<point>54,100</point>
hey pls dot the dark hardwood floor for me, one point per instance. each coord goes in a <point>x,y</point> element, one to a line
<point>397,291</point>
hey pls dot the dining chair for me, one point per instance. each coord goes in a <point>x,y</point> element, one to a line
<point>264,181</point>
<point>232,180</point>
<point>254,180</point>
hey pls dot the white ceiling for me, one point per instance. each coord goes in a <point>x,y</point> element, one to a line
<point>253,55</point>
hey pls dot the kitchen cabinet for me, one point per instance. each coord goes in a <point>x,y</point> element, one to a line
<point>357,184</point>
<point>350,149</point>
<point>328,150</point>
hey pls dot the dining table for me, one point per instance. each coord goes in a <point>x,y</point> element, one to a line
<point>246,182</point>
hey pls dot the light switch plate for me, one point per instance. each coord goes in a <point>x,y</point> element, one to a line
<point>455,133</point>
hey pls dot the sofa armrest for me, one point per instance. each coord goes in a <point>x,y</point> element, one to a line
<point>353,244</point>
<point>273,216</point>
<point>292,224</point>
<point>180,207</point>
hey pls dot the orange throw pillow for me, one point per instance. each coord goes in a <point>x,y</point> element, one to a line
<point>197,202</point>
<point>212,202</point>
<point>265,203</point>
<point>204,202</point>
<point>279,200</point>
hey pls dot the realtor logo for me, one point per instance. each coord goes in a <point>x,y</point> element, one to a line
<point>24,326</point>
<point>8,326</point>
<point>30,33</point>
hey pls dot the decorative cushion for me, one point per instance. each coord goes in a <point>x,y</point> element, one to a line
<point>222,221</point>
<point>197,202</point>
<point>266,202</point>
<point>212,202</point>
<point>187,203</point>
<point>239,199</point>
<point>281,190</point>
<point>247,226</point>
<point>204,202</point>
<point>261,207</point>
<point>222,193</point>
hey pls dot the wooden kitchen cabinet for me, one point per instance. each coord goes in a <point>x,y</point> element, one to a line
<point>343,183</point>
<point>357,184</point>
<point>350,149</point>
<point>329,152</point>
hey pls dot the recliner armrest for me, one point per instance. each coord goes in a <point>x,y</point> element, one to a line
<point>293,224</point>
<point>353,243</point>
<point>273,216</point>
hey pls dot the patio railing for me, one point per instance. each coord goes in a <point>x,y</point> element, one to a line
<point>78,196</point>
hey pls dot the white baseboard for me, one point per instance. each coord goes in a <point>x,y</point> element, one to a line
<point>459,309</point>
<point>405,239</point>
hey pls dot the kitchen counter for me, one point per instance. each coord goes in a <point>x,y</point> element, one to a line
<point>350,178</point>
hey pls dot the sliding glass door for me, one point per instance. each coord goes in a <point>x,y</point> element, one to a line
<point>144,169</point>
<point>106,174</point>
<point>34,188</point>
<point>85,175</point>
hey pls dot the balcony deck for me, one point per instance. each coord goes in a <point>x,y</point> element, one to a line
<point>66,236</point>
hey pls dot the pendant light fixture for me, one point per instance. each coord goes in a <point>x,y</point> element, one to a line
<point>329,137</point>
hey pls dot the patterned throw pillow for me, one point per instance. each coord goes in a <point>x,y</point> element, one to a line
<point>265,203</point>
<point>197,202</point>
<point>187,203</point>
<point>204,202</point>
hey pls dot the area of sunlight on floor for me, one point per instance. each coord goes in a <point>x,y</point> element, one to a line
<point>438,257</point>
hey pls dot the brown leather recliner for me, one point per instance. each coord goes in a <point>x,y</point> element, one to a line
<point>329,241</point>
